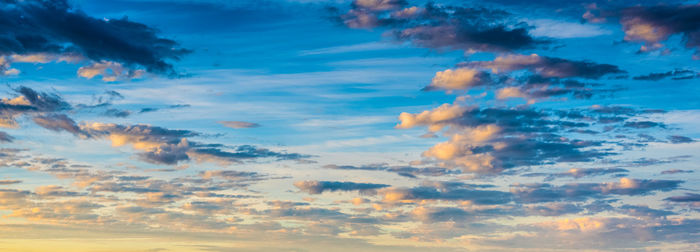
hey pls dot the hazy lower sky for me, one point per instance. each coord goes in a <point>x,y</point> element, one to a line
<point>365,125</point>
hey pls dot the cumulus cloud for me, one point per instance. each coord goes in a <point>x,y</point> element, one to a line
<point>29,101</point>
<point>493,139</point>
<point>110,71</point>
<point>165,146</point>
<point>433,118</point>
<point>547,66</point>
<point>6,69</point>
<point>33,28</point>
<point>460,78</point>
<point>443,26</point>
<point>156,144</point>
<point>653,24</point>
<point>546,77</point>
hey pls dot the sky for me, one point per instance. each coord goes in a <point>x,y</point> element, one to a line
<point>364,125</point>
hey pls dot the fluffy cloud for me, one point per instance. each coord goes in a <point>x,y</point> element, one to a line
<point>33,29</point>
<point>29,101</point>
<point>110,71</point>
<point>443,26</point>
<point>165,146</point>
<point>546,77</point>
<point>491,140</point>
<point>433,118</point>
<point>460,78</point>
<point>494,139</point>
<point>653,24</point>
<point>547,66</point>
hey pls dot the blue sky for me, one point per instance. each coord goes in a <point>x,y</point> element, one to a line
<point>373,125</point>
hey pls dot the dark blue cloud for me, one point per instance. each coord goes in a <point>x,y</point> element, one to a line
<point>446,27</point>
<point>688,197</point>
<point>316,187</point>
<point>55,27</point>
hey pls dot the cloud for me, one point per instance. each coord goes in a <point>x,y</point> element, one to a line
<point>406,171</point>
<point>59,122</point>
<point>110,71</point>
<point>547,66</point>
<point>450,193</point>
<point>490,140</point>
<point>378,5</point>
<point>231,175</point>
<point>156,144</point>
<point>565,30</point>
<point>581,172</point>
<point>5,138</point>
<point>674,171</point>
<point>644,211</point>
<point>239,124</point>
<point>655,24</point>
<point>534,193</point>
<point>165,146</point>
<point>55,28</point>
<point>146,110</point>
<point>9,182</point>
<point>6,69</point>
<point>644,124</point>
<point>546,77</point>
<point>460,78</point>
<point>117,113</point>
<point>688,197</point>
<point>29,101</point>
<point>433,118</point>
<point>103,100</point>
<point>680,139</point>
<point>552,209</point>
<point>317,187</point>
<point>443,26</point>
<point>678,74</point>
<point>443,214</point>
<point>652,24</point>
